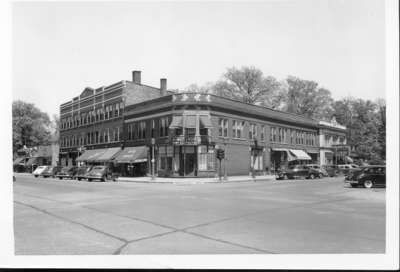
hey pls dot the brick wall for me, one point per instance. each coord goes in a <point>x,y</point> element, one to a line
<point>136,93</point>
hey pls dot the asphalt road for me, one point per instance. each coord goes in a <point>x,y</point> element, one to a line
<point>299,216</point>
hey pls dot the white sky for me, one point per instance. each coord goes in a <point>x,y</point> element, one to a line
<point>60,48</point>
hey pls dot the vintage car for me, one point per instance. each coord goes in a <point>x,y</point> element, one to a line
<point>102,173</point>
<point>51,171</point>
<point>67,172</point>
<point>39,170</point>
<point>368,176</point>
<point>299,171</point>
<point>82,172</point>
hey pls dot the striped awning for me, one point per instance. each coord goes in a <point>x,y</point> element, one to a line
<point>134,154</point>
<point>189,121</point>
<point>300,154</point>
<point>18,160</point>
<point>91,155</point>
<point>108,155</point>
<point>31,161</point>
<point>176,122</point>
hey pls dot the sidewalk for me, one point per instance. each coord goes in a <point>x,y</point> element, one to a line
<point>197,180</point>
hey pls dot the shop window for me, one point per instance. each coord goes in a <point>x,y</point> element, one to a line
<point>142,130</point>
<point>165,154</point>
<point>206,158</point>
<point>163,126</point>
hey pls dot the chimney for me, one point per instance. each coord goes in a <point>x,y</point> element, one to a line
<point>136,77</point>
<point>163,86</point>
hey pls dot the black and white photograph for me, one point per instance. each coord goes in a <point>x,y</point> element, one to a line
<point>212,134</point>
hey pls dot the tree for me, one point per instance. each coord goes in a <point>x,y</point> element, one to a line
<point>247,85</point>
<point>31,127</point>
<point>305,98</point>
<point>55,129</point>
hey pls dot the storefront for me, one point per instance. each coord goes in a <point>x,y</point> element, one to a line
<point>132,161</point>
<point>284,158</point>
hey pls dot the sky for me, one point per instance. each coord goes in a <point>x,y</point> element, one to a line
<point>59,48</point>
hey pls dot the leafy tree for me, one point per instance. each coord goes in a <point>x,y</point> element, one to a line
<point>55,128</point>
<point>247,85</point>
<point>305,98</point>
<point>31,127</point>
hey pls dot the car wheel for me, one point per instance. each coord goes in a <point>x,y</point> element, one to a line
<point>312,176</point>
<point>368,184</point>
<point>59,177</point>
<point>79,179</point>
<point>285,177</point>
<point>90,180</point>
<point>36,176</point>
<point>320,176</point>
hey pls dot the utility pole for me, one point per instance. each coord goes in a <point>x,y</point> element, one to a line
<point>225,162</point>
<point>153,142</point>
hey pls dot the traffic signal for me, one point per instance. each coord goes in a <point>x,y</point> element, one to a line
<point>220,154</point>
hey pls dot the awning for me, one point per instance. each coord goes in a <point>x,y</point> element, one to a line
<point>91,155</point>
<point>132,155</point>
<point>300,154</point>
<point>31,161</point>
<point>108,155</point>
<point>176,122</point>
<point>290,157</point>
<point>206,121</point>
<point>18,161</point>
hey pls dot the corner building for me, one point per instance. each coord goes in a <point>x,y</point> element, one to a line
<point>91,124</point>
<point>188,127</point>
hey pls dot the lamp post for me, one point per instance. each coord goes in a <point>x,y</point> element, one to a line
<point>153,142</point>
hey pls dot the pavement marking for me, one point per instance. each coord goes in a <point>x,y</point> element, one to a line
<point>71,221</point>
<point>229,243</point>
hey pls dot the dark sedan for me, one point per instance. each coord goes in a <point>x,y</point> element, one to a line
<point>82,172</point>
<point>52,171</point>
<point>299,171</point>
<point>102,173</point>
<point>368,176</point>
<point>67,172</point>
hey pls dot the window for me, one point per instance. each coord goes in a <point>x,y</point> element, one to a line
<point>252,131</point>
<point>121,106</point>
<point>165,157</point>
<point>111,113</point>
<point>237,129</point>
<point>106,113</point>
<point>223,127</point>
<point>163,126</point>
<point>262,133</point>
<point>153,128</point>
<point>116,110</point>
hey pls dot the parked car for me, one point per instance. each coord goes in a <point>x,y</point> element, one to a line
<point>331,169</point>
<point>51,171</point>
<point>299,171</point>
<point>39,170</point>
<point>345,169</point>
<point>67,172</point>
<point>82,172</point>
<point>321,170</point>
<point>102,173</point>
<point>368,176</point>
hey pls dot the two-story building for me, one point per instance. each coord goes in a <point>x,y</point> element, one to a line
<point>187,128</point>
<point>92,123</point>
<point>333,143</point>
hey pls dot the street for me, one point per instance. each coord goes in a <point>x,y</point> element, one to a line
<point>54,216</point>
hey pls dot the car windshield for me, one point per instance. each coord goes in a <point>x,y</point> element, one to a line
<point>98,168</point>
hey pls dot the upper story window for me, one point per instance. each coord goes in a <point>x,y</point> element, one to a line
<point>262,133</point>
<point>163,126</point>
<point>223,127</point>
<point>237,129</point>
<point>252,131</point>
<point>153,128</point>
<point>121,108</point>
<point>142,130</point>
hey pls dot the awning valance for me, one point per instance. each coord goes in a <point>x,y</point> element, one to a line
<point>18,161</point>
<point>91,155</point>
<point>206,121</point>
<point>108,155</point>
<point>176,122</point>
<point>300,154</point>
<point>132,155</point>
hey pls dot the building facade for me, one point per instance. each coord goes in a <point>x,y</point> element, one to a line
<point>94,119</point>
<point>333,143</point>
<point>140,130</point>
<point>187,128</point>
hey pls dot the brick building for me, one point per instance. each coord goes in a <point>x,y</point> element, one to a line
<point>333,143</point>
<point>128,125</point>
<point>94,119</point>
